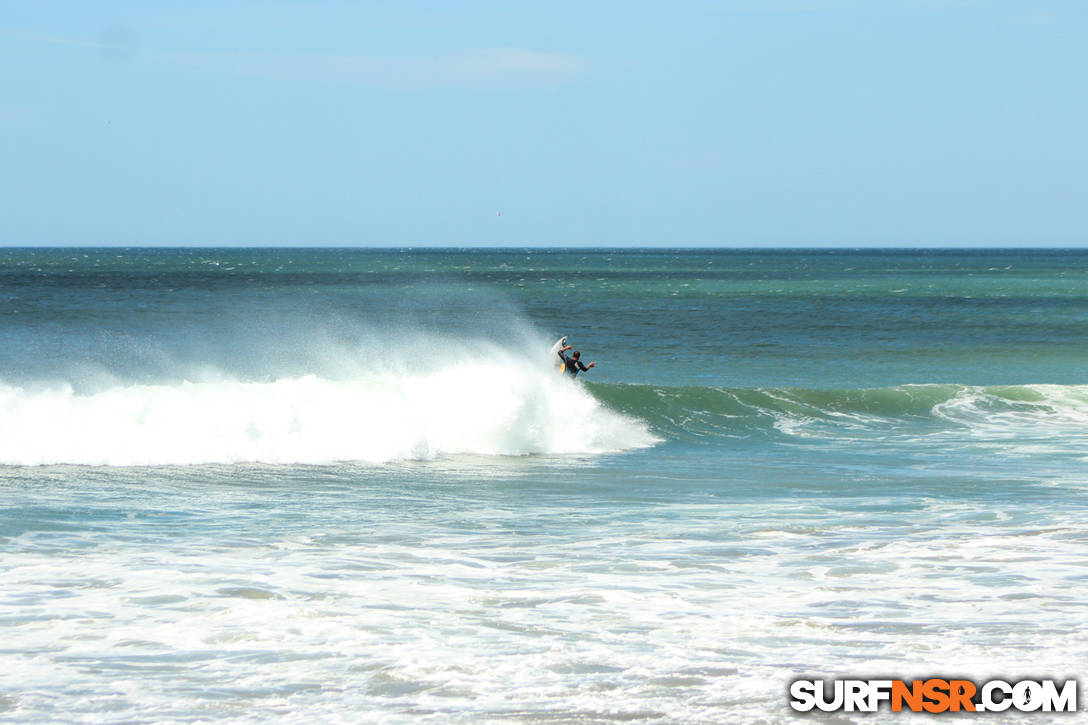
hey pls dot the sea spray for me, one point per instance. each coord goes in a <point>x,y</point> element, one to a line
<point>498,404</point>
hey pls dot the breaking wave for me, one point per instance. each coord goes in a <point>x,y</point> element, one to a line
<point>429,399</point>
<point>502,405</point>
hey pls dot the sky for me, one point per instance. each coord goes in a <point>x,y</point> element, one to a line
<point>741,123</point>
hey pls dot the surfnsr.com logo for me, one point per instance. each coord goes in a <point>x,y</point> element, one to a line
<point>934,695</point>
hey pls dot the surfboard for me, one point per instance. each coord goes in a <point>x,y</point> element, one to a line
<point>554,354</point>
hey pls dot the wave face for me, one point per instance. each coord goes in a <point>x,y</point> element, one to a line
<point>1019,413</point>
<point>499,404</point>
<point>505,405</point>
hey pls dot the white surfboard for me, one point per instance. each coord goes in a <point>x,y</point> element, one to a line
<point>554,354</point>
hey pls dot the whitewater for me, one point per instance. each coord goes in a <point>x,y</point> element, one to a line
<point>490,402</point>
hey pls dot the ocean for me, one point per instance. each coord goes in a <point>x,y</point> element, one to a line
<point>349,485</point>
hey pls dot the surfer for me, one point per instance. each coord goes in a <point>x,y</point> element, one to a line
<point>573,364</point>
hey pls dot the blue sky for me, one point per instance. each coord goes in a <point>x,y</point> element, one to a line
<point>744,123</point>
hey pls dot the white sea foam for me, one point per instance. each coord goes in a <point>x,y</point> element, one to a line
<point>500,404</point>
<point>352,609</point>
<point>1011,419</point>
<point>1012,411</point>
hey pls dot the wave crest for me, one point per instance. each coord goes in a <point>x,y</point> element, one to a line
<point>496,407</point>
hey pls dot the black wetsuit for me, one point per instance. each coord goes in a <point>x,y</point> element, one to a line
<point>573,366</point>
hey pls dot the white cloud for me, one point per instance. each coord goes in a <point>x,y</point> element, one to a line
<point>13,114</point>
<point>115,42</point>
<point>475,68</point>
<point>48,39</point>
<point>487,67</point>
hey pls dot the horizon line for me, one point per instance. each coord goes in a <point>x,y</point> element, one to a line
<point>570,247</point>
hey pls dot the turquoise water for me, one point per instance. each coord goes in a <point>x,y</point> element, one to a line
<point>284,485</point>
